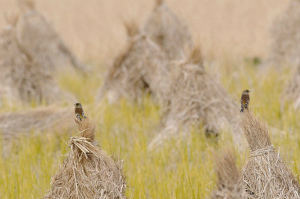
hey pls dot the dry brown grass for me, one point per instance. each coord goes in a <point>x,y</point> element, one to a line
<point>195,99</point>
<point>168,31</point>
<point>87,171</point>
<point>265,174</point>
<point>22,77</point>
<point>229,184</point>
<point>42,119</point>
<point>136,71</point>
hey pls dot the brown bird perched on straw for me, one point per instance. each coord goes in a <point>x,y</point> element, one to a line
<point>245,100</point>
<point>79,111</point>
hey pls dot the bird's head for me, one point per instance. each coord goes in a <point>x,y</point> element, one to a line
<point>77,105</point>
<point>246,92</point>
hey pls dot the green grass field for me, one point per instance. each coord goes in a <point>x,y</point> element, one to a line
<point>181,169</point>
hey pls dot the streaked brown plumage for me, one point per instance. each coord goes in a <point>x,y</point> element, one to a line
<point>79,111</point>
<point>245,100</point>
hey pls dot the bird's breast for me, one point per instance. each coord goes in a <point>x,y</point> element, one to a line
<point>78,110</point>
<point>245,97</point>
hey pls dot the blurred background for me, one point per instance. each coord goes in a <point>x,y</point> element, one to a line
<point>94,30</point>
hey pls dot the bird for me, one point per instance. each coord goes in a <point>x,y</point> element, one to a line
<point>79,111</point>
<point>245,100</point>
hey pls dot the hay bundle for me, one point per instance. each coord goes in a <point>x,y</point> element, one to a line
<point>292,91</point>
<point>168,31</point>
<point>87,171</point>
<point>265,174</point>
<point>8,46</point>
<point>137,70</point>
<point>197,99</point>
<point>229,184</point>
<point>22,76</point>
<point>16,123</point>
<point>40,39</point>
<point>285,34</point>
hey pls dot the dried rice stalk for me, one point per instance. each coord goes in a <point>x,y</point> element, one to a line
<point>44,43</point>
<point>15,123</point>
<point>265,174</point>
<point>22,77</point>
<point>230,184</point>
<point>195,99</point>
<point>168,31</point>
<point>87,171</point>
<point>285,33</point>
<point>136,71</point>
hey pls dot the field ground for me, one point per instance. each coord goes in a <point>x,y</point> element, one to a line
<point>181,169</point>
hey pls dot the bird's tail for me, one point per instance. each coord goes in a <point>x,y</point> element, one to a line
<point>242,110</point>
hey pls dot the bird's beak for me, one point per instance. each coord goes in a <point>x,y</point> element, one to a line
<point>249,91</point>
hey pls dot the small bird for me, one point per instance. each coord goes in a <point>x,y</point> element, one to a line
<point>79,111</point>
<point>245,100</point>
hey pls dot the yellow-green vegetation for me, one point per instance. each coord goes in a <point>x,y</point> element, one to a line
<point>181,169</point>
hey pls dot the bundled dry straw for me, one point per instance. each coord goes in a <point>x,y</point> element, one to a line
<point>137,70</point>
<point>229,184</point>
<point>196,99</point>
<point>292,91</point>
<point>22,76</point>
<point>285,35</point>
<point>265,175</point>
<point>41,40</point>
<point>43,119</point>
<point>168,31</point>
<point>87,171</point>
<point>285,50</point>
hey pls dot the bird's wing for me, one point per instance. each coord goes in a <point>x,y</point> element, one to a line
<point>243,102</point>
<point>247,103</point>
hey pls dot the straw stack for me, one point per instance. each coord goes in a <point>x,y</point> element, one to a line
<point>137,71</point>
<point>292,91</point>
<point>22,77</point>
<point>87,171</point>
<point>168,31</point>
<point>41,40</point>
<point>265,174</point>
<point>196,99</point>
<point>285,32</point>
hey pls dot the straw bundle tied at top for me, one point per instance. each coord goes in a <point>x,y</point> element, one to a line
<point>41,40</point>
<point>87,171</point>
<point>265,174</point>
<point>137,71</point>
<point>196,99</point>
<point>142,67</point>
<point>22,76</point>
